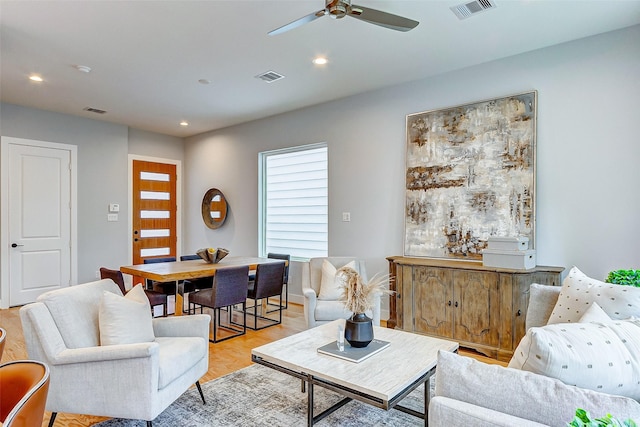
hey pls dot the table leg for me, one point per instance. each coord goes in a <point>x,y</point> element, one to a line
<point>427,399</point>
<point>310,403</point>
<point>179,302</point>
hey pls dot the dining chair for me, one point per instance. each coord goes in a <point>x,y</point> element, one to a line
<point>267,284</point>
<point>230,287</point>
<point>168,288</point>
<point>192,285</point>
<point>24,386</point>
<point>3,338</point>
<point>285,280</point>
<point>155,298</point>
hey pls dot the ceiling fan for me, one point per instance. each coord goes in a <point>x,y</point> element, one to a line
<point>338,9</point>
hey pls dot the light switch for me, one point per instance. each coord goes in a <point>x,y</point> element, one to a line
<point>114,207</point>
<point>346,216</point>
<point>112,217</point>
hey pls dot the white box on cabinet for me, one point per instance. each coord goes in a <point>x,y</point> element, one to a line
<point>521,260</point>
<point>520,243</point>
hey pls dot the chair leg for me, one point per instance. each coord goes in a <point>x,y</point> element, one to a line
<point>52,419</point>
<point>201,394</point>
<point>244,313</point>
<point>286,295</point>
<point>216,315</point>
<point>149,424</point>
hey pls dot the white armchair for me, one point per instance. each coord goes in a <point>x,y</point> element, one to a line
<point>318,311</point>
<point>136,381</point>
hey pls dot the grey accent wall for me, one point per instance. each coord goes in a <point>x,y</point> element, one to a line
<point>587,156</point>
<point>103,150</point>
<point>152,144</point>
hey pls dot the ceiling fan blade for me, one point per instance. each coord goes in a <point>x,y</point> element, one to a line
<point>383,19</point>
<point>291,25</point>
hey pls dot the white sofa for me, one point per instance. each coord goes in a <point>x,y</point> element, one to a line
<point>469,392</point>
<point>318,311</point>
<point>136,381</point>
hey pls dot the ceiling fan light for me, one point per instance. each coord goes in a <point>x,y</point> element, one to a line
<point>338,11</point>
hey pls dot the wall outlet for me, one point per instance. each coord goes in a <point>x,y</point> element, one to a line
<point>112,217</point>
<point>97,274</point>
<point>346,216</point>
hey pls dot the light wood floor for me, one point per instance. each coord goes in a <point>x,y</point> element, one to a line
<point>224,357</point>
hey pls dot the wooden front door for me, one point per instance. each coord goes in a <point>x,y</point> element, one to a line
<point>154,211</point>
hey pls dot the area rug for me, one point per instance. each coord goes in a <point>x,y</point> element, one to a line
<point>260,396</point>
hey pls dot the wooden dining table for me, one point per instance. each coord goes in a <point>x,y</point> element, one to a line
<point>192,269</point>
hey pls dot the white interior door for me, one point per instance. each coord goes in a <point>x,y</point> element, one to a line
<point>39,206</point>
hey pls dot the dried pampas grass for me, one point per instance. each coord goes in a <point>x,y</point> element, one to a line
<point>357,295</point>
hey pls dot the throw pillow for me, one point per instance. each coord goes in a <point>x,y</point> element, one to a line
<point>596,356</point>
<point>594,313</point>
<point>330,286</point>
<point>125,319</point>
<point>579,291</point>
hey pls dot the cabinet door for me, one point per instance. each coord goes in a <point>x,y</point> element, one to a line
<point>433,301</point>
<point>476,307</point>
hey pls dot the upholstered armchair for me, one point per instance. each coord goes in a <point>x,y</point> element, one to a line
<point>321,307</point>
<point>137,375</point>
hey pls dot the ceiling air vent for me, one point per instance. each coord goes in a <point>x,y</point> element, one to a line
<point>465,10</point>
<point>270,76</point>
<point>94,110</point>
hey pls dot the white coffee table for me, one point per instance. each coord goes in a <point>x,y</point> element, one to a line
<point>382,380</point>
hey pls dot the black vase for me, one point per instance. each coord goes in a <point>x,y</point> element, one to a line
<point>358,330</point>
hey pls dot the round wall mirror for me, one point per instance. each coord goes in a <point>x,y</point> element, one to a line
<point>214,208</point>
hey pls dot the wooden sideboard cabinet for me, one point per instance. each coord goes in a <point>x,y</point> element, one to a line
<point>482,308</point>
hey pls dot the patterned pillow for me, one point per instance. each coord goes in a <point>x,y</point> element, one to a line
<point>595,313</point>
<point>603,357</point>
<point>579,291</point>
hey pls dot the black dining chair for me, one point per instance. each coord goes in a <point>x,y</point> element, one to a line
<point>267,284</point>
<point>155,298</point>
<point>230,286</point>
<point>285,280</point>
<point>168,288</point>
<point>187,286</point>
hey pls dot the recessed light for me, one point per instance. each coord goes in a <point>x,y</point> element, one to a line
<point>82,68</point>
<point>36,78</point>
<point>320,60</point>
<point>184,123</point>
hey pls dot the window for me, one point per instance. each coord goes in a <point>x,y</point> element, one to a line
<point>293,201</point>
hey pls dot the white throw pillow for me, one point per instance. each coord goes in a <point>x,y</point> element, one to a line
<point>579,291</point>
<point>125,319</point>
<point>603,357</point>
<point>594,313</point>
<point>330,285</point>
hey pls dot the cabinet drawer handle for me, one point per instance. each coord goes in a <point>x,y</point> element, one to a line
<point>449,303</point>
<point>519,313</point>
<point>456,304</point>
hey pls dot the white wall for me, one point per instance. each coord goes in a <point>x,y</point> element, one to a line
<point>587,156</point>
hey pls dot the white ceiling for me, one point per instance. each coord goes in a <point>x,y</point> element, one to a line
<point>147,56</point>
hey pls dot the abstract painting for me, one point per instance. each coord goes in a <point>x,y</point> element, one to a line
<point>470,174</point>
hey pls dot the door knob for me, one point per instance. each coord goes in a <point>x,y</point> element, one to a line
<point>15,245</point>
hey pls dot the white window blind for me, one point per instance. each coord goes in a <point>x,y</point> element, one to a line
<point>294,213</point>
